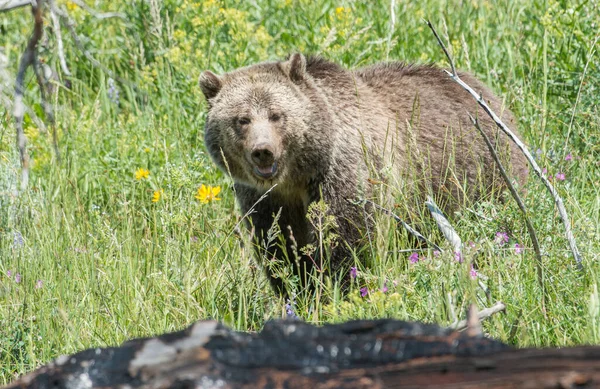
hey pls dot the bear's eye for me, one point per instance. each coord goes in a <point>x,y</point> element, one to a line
<point>274,117</point>
<point>243,121</point>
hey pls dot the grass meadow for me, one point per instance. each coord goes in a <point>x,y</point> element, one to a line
<point>119,239</point>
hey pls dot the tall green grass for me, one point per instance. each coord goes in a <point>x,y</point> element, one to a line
<point>100,262</point>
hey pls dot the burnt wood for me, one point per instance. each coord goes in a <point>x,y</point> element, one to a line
<point>293,354</point>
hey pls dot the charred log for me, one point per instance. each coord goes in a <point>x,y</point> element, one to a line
<point>292,354</point>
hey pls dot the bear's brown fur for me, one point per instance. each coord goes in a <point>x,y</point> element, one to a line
<point>318,131</point>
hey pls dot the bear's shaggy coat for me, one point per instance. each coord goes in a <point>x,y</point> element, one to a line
<point>320,131</point>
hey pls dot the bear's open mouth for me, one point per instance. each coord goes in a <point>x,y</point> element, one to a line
<point>266,172</point>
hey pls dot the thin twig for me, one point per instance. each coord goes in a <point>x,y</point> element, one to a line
<point>44,74</point>
<point>443,46</point>
<point>27,59</point>
<point>487,219</point>
<point>515,195</point>
<point>71,27</point>
<point>59,41</point>
<point>557,199</point>
<point>484,313</point>
<point>248,213</point>
<point>399,220</point>
<point>7,5</point>
<point>444,225</point>
<point>99,15</point>
<point>8,102</point>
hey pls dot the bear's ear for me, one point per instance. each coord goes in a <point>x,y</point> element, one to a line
<point>210,84</point>
<point>296,68</point>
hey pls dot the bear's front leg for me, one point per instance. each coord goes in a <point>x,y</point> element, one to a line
<point>270,250</point>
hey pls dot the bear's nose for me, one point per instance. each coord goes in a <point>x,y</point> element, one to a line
<point>262,154</point>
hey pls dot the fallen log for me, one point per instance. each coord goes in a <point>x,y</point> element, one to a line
<point>293,354</point>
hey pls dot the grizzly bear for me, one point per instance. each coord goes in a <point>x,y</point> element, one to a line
<point>310,130</point>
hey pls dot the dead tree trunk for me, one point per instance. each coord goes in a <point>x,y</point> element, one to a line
<point>292,354</point>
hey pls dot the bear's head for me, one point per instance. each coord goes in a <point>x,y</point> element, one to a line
<point>258,121</point>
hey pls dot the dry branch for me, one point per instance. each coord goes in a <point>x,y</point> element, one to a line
<point>557,199</point>
<point>444,225</point>
<point>485,313</point>
<point>292,354</point>
<point>99,15</point>
<point>398,220</point>
<point>7,5</point>
<point>70,24</point>
<point>515,195</point>
<point>59,41</point>
<point>29,58</point>
<point>44,75</point>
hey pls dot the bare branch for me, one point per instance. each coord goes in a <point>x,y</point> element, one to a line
<point>444,225</point>
<point>44,76</point>
<point>484,313</point>
<point>28,58</point>
<point>71,27</point>
<point>399,220</point>
<point>443,47</point>
<point>7,5</point>
<point>59,41</point>
<point>246,215</point>
<point>487,219</point>
<point>557,199</point>
<point>99,15</point>
<point>515,195</point>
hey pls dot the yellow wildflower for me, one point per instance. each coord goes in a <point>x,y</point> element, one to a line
<point>208,193</point>
<point>156,196</point>
<point>71,5</point>
<point>141,173</point>
<point>342,13</point>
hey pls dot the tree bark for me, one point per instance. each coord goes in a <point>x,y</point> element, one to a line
<point>293,354</point>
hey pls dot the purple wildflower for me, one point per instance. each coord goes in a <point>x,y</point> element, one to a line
<point>39,284</point>
<point>436,253</point>
<point>113,92</point>
<point>289,309</point>
<point>9,273</point>
<point>472,245</point>
<point>545,171</point>
<point>18,278</point>
<point>473,272</point>
<point>17,239</point>
<point>568,157</point>
<point>518,248</point>
<point>458,256</point>
<point>414,258</point>
<point>560,176</point>
<point>395,283</point>
<point>385,288</point>
<point>353,272</point>
<point>501,238</point>
<point>364,292</point>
